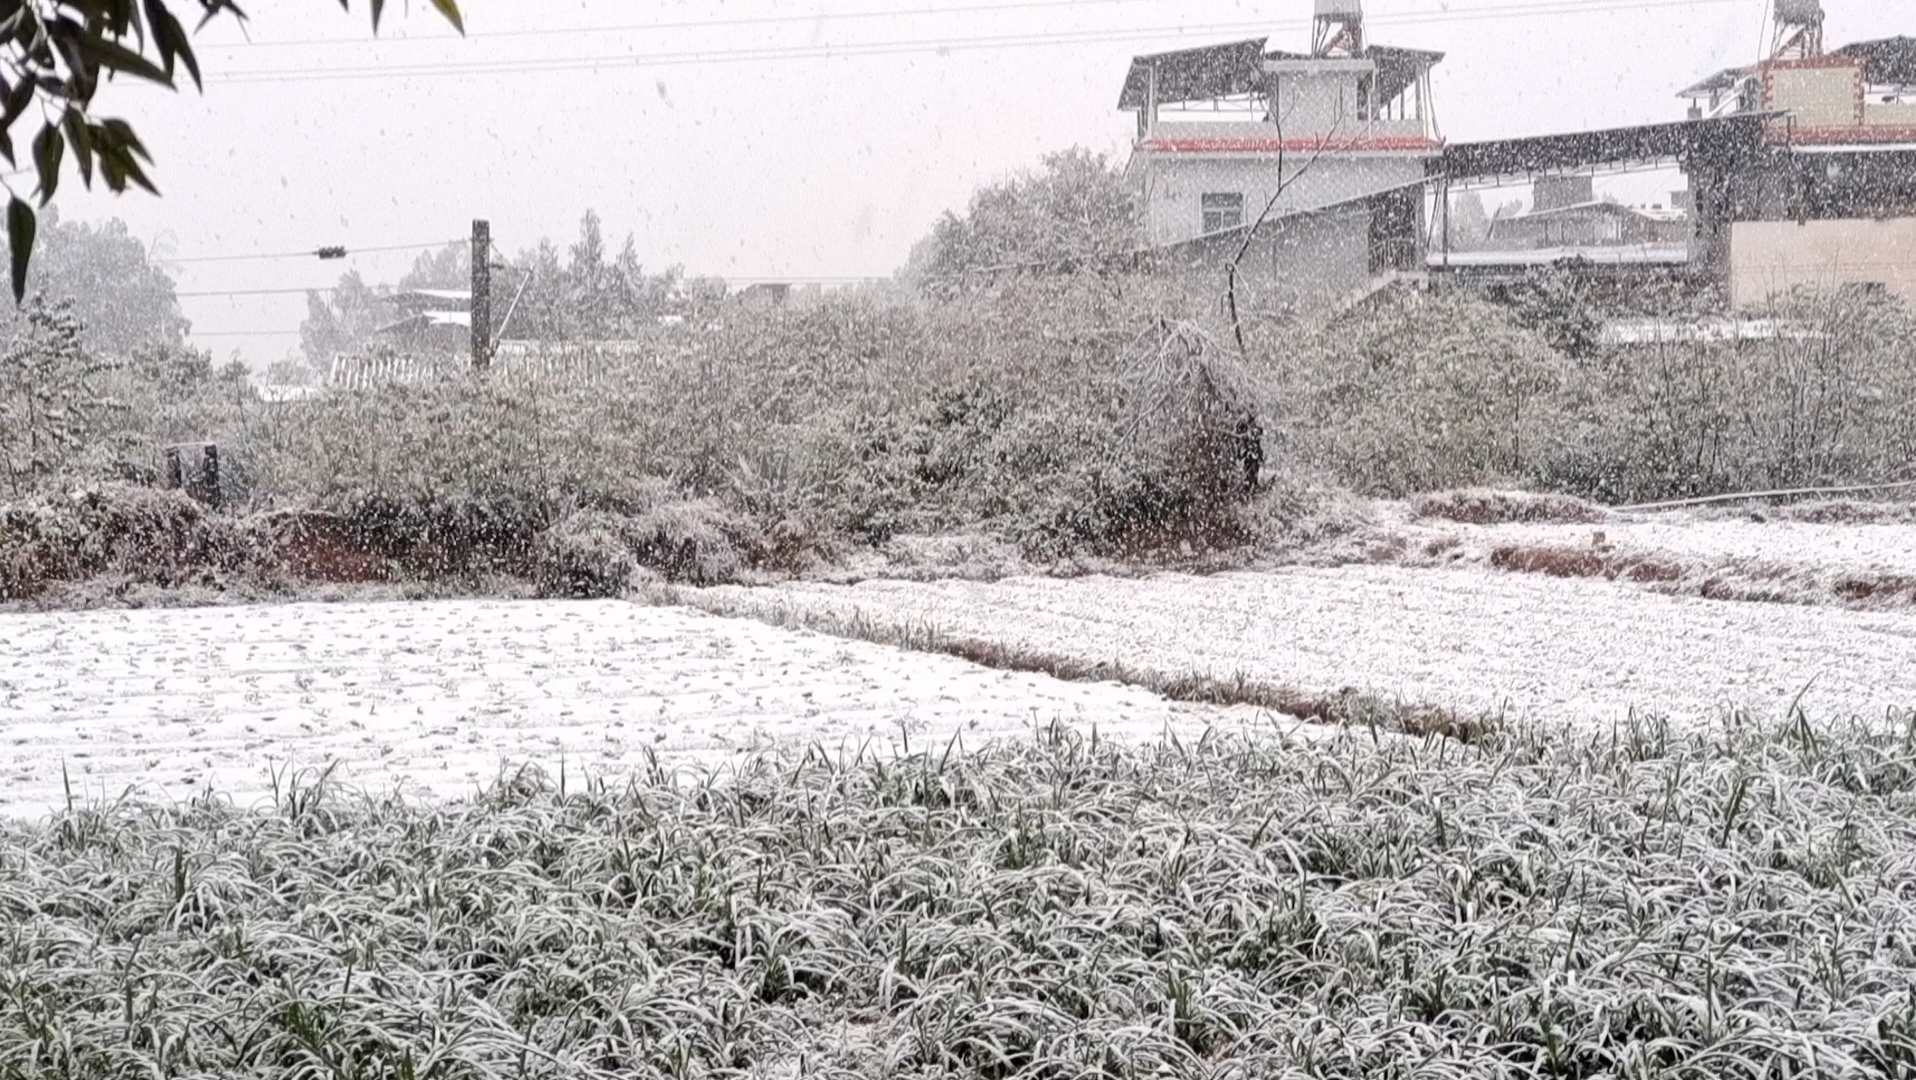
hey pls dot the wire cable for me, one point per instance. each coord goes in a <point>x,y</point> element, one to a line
<point>897,47</point>
<point>697,24</point>
<point>310,254</point>
<point>730,279</point>
<point>255,292</point>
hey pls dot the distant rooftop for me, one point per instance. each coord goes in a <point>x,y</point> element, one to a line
<point>1712,328</point>
<point>1631,255</point>
<point>1886,62</point>
<point>1604,206</point>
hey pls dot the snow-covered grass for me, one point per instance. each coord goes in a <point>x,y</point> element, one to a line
<point>438,697</point>
<point>1465,639</point>
<point>1729,904</point>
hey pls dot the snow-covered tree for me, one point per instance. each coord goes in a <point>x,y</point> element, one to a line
<point>121,299</point>
<point>1076,208</point>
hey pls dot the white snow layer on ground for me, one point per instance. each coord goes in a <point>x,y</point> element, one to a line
<point>1468,638</point>
<point>434,698</point>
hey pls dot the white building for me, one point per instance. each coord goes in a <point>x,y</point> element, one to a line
<point>1330,149</point>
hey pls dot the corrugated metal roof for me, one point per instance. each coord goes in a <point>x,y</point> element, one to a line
<point>1886,61</point>
<point>1718,140</point>
<point>1727,79</point>
<point>1398,68</point>
<point>1237,67</point>
<point>1200,74</point>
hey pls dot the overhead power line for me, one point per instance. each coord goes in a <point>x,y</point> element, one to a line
<point>896,47</point>
<point>309,254</point>
<point>254,292</point>
<point>734,279</point>
<point>854,16</point>
<point>697,24</point>
<point>242,333</point>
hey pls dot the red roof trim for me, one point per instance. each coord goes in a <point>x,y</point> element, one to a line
<point>1383,144</point>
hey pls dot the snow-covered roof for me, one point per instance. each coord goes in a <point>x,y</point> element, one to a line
<point>1210,71</point>
<point>426,320</point>
<point>463,295</point>
<point>431,299</point>
<point>1612,255</point>
<point>1598,205</point>
<point>277,393</point>
<point>1651,331</point>
<point>1238,67</point>
<point>1721,82</point>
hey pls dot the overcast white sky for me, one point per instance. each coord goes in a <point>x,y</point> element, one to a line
<point>716,133</point>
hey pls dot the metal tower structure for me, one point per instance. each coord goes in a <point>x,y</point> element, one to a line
<point>1799,30</point>
<point>1340,28</point>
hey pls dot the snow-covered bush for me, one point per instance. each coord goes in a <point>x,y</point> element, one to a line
<point>585,556</point>
<point>141,534</point>
<point>596,553</point>
<point>1830,399</point>
<point>1431,392</point>
<point>1422,392</point>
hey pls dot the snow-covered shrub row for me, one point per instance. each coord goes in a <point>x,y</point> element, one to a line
<point>1054,416</point>
<point>1425,392</point>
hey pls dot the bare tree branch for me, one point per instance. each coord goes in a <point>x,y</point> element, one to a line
<point>1283,185</point>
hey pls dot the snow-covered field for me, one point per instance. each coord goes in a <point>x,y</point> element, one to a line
<point>1464,637</point>
<point>434,697</point>
<point>437,697</point>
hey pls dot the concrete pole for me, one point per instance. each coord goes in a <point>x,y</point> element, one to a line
<point>481,307</point>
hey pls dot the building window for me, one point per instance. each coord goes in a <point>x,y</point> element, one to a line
<point>1222,211</point>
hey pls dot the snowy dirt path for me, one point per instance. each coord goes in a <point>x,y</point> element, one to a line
<point>434,697</point>
<point>1467,638</point>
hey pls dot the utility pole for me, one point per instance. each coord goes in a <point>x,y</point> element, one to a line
<point>481,307</point>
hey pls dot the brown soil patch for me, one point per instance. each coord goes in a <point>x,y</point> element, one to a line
<point>1746,591</point>
<point>1591,562</point>
<point>321,547</point>
<point>1389,549</point>
<point>1889,588</point>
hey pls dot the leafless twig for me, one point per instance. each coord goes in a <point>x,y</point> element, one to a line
<point>1283,185</point>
